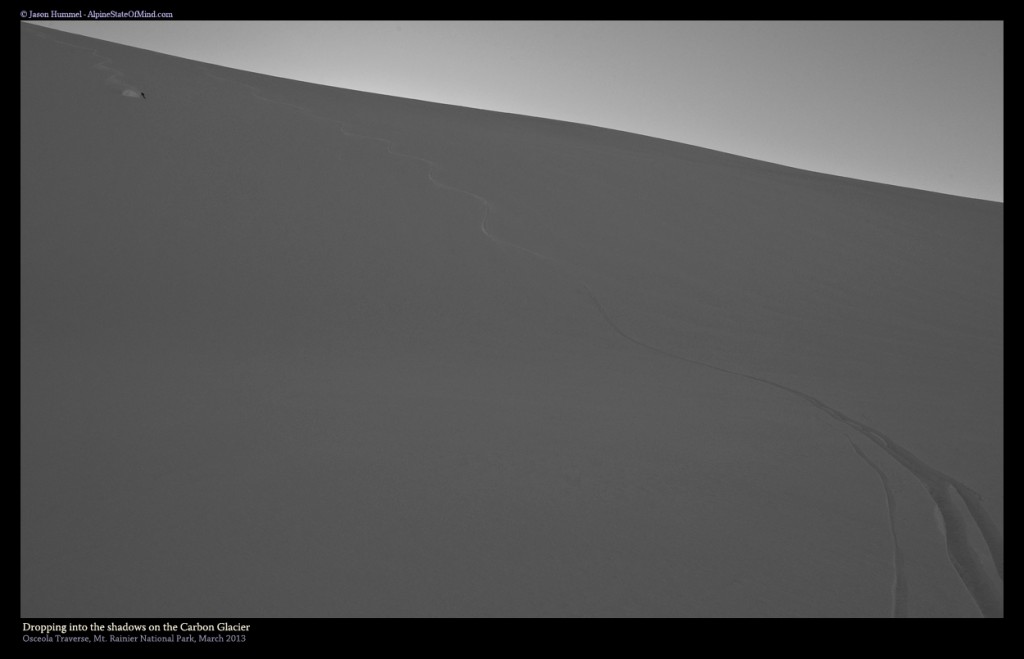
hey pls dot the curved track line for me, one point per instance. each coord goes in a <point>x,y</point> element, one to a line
<point>967,564</point>
<point>899,580</point>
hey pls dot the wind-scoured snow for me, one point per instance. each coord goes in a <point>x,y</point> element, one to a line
<point>290,350</point>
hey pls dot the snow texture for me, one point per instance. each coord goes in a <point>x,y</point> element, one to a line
<point>290,350</point>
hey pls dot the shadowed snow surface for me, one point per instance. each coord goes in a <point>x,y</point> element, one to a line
<point>290,350</point>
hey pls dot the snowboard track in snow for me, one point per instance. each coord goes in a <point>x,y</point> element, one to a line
<point>899,580</point>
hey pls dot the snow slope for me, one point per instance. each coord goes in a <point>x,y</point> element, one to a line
<point>290,350</point>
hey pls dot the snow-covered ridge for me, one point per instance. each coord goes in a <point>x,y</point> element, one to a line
<point>365,356</point>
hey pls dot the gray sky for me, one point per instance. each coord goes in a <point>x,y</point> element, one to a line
<point>918,104</point>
